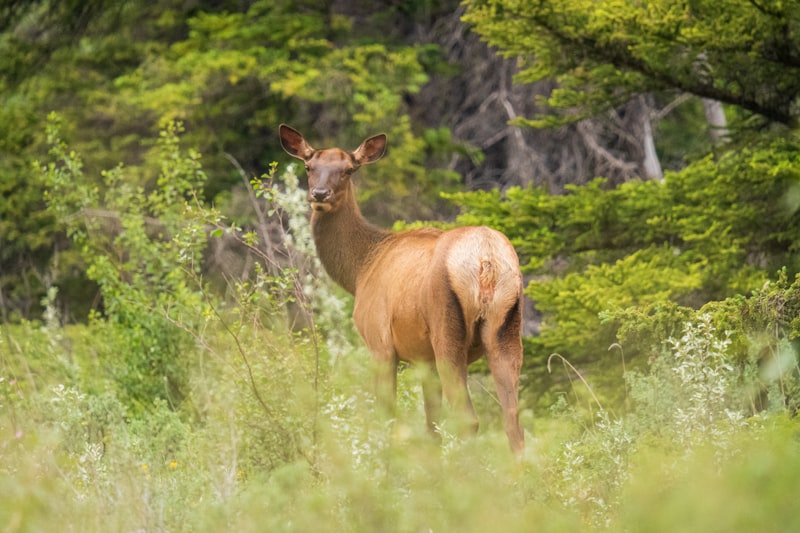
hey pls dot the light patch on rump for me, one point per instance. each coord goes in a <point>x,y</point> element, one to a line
<point>487,280</point>
<point>482,269</point>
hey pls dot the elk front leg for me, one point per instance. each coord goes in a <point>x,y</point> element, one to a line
<point>432,396</point>
<point>384,360</point>
<point>385,384</point>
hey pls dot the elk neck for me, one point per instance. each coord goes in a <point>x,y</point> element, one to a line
<point>345,240</point>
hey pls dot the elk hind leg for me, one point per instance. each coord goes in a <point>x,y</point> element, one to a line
<point>503,344</point>
<point>451,337</point>
<point>452,368</point>
<point>451,364</point>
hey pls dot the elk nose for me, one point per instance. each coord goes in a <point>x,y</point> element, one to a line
<point>320,195</point>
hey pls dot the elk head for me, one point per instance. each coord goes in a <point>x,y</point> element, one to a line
<point>329,170</point>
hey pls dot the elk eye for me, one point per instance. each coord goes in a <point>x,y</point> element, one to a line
<point>307,168</point>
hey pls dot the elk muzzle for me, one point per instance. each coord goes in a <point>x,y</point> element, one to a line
<point>320,198</point>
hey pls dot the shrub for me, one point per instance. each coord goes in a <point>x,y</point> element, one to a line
<point>277,430</point>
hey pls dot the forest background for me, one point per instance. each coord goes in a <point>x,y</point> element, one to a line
<point>169,341</point>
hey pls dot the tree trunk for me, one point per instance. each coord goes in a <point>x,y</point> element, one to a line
<point>717,123</point>
<point>650,163</point>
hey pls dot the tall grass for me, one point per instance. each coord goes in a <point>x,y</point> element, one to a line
<point>77,460</point>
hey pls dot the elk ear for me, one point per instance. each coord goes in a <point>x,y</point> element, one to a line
<point>294,143</point>
<point>371,149</point>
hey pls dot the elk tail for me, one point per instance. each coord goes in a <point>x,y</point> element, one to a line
<point>487,281</point>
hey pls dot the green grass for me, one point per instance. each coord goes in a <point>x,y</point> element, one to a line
<point>75,457</point>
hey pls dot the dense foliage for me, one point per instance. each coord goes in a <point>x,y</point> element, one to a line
<point>720,227</point>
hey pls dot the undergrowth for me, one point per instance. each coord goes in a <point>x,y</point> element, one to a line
<point>83,460</point>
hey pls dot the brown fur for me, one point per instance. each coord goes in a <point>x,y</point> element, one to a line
<point>441,298</point>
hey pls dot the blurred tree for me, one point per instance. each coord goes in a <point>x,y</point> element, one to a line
<point>231,71</point>
<point>484,106</point>
<point>338,70</point>
<point>63,55</point>
<point>719,228</point>
<point>604,52</point>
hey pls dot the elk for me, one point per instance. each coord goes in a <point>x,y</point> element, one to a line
<point>423,296</point>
